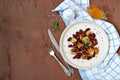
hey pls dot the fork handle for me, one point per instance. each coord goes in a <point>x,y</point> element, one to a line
<point>67,72</point>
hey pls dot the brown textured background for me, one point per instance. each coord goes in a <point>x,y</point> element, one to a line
<point>23,33</point>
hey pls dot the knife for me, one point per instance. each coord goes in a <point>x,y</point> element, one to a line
<point>54,42</point>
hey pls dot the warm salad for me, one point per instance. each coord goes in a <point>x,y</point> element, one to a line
<point>83,44</point>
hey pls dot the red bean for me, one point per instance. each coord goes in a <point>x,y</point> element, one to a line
<point>74,35</point>
<point>70,45</point>
<point>77,33</point>
<point>89,57</point>
<point>80,31</point>
<point>87,29</point>
<point>69,39</point>
<point>77,56</point>
<point>74,50</point>
<point>94,42</point>
<point>83,34</point>
<point>92,36</point>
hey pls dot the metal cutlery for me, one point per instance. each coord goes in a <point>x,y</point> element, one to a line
<point>51,52</point>
<point>54,42</point>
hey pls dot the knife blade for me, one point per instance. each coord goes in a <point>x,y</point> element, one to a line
<point>54,42</point>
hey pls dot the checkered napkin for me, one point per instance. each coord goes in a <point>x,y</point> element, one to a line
<point>109,69</point>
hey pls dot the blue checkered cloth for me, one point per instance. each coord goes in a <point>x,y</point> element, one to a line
<point>109,69</point>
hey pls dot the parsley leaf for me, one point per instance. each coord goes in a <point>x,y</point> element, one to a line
<point>85,45</point>
<point>56,26</point>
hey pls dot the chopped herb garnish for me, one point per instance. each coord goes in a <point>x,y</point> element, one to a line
<point>85,45</point>
<point>56,26</point>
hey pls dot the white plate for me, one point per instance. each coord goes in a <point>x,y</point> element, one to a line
<point>102,39</point>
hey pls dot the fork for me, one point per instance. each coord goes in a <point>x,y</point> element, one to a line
<point>52,53</point>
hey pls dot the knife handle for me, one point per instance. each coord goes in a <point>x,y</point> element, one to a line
<point>69,67</point>
<point>67,72</point>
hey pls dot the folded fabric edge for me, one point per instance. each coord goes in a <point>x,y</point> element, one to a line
<point>83,74</point>
<point>65,21</point>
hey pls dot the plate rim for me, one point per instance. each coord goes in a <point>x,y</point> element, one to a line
<point>78,22</point>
